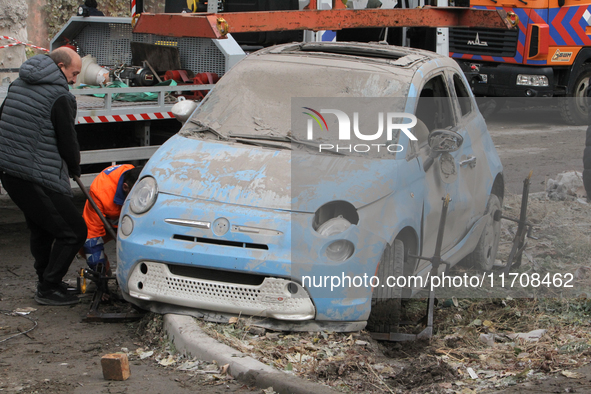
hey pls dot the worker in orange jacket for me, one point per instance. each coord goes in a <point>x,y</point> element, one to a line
<point>108,190</point>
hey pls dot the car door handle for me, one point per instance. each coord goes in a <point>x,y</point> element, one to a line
<point>470,161</point>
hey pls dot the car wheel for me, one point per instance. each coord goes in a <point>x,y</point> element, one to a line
<point>386,301</point>
<point>483,257</point>
<point>574,107</point>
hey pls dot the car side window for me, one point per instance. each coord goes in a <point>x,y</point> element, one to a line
<point>463,95</point>
<point>434,109</point>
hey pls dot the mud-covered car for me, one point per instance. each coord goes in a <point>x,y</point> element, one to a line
<point>265,204</point>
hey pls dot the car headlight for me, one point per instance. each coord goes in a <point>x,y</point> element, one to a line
<point>143,195</point>
<point>339,250</point>
<point>333,226</point>
<point>126,225</point>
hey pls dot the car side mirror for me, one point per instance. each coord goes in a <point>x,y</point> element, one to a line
<point>441,141</point>
<point>445,141</point>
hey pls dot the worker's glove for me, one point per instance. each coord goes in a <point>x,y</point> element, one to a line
<point>75,172</point>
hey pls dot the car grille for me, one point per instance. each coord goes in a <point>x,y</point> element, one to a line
<point>155,282</point>
<point>222,242</point>
<point>498,42</point>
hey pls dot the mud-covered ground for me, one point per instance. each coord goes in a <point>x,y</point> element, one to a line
<point>62,353</point>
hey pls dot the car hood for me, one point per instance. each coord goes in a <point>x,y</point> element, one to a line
<point>235,173</point>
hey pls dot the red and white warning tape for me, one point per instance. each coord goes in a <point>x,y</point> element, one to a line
<point>19,43</point>
<point>124,118</point>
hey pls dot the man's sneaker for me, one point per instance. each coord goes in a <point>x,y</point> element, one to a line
<point>64,285</point>
<point>56,297</point>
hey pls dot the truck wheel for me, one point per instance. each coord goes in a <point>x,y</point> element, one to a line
<point>574,107</point>
<point>386,301</point>
<point>483,256</point>
<point>489,106</point>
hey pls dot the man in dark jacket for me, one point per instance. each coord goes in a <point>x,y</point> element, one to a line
<point>38,153</point>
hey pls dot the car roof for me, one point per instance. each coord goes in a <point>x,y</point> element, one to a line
<point>399,57</point>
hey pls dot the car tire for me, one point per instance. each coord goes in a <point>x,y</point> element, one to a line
<point>483,256</point>
<point>573,108</point>
<point>386,301</point>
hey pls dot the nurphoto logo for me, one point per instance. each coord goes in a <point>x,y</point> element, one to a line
<point>392,120</point>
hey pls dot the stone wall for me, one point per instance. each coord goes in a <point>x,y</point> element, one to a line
<point>13,23</point>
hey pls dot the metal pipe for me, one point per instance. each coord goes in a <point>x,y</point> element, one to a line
<point>108,227</point>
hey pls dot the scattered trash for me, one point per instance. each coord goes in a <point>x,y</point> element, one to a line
<point>531,336</point>
<point>572,375</point>
<point>144,355</point>
<point>567,186</point>
<point>167,361</point>
<point>472,374</point>
<point>189,365</point>
<point>24,311</point>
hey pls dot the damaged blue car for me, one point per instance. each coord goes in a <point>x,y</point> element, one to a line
<point>279,200</point>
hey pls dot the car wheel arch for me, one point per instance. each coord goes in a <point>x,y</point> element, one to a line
<point>498,187</point>
<point>411,246</point>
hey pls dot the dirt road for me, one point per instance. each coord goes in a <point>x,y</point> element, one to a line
<point>534,138</point>
<point>62,354</point>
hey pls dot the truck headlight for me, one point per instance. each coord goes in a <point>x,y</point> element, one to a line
<point>143,195</point>
<point>532,80</point>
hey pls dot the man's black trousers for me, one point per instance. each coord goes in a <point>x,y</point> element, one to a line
<point>58,230</point>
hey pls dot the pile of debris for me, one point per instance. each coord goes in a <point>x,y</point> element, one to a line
<point>567,186</point>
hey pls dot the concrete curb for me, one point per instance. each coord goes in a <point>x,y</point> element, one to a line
<point>189,338</point>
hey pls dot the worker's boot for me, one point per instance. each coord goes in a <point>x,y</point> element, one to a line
<point>54,295</point>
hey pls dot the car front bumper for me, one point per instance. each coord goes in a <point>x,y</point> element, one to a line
<point>266,262</point>
<point>277,298</point>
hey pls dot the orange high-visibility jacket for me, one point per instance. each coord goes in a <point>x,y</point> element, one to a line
<point>103,191</point>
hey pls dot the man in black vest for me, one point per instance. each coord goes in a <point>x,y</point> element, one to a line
<point>38,153</point>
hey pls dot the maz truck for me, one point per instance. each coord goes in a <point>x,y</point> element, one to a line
<point>549,55</point>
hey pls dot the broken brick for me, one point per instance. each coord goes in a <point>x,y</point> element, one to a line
<point>115,366</point>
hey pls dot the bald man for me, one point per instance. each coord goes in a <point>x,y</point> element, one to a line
<point>38,153</point>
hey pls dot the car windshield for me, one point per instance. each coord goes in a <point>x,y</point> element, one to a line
<point>255,98</point>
